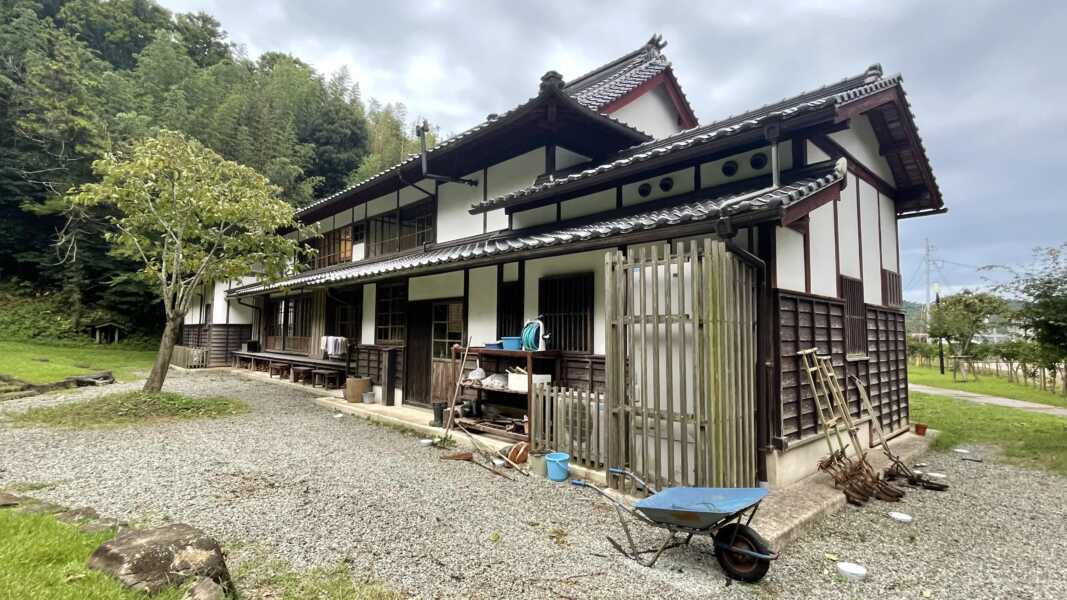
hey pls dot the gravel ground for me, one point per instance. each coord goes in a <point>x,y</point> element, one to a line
<point>314,489</point>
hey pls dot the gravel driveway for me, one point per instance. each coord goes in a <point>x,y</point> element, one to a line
<point>315,489</point>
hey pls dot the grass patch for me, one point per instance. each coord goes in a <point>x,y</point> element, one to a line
<point>40,363</point>
<point>128,408</point>
<point>1027,439</point>
<point>41,558</point>
<point>989,385</point>
<point>263,579</point>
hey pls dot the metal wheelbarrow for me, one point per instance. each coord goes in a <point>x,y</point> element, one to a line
<point>715,512</point>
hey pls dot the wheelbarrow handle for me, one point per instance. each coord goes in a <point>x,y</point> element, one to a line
<point>627,473</point>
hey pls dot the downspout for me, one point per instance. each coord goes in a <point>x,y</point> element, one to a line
<point>258,315</point>
<point>764,358</point>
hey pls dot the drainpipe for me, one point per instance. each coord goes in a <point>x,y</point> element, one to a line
<point>256,316</point>
<point>764,355</point>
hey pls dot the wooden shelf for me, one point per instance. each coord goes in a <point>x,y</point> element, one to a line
<point>489,389</point>
<point>516,353</point>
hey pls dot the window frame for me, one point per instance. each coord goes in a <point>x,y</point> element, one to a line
<point>390,313</point>
<point>570,325</point>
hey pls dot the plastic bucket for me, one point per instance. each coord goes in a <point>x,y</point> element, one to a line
<point>558,466</point>
<point>512,343</point>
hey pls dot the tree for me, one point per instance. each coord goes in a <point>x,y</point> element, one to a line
<point>1043,289</point>
<point>961,317</point>
<point>189,217</point>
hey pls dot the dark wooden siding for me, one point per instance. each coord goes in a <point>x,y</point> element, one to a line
<point>219,339</point>
<point>887,377</point>
<point>892,293</point>
<point>805,321</point>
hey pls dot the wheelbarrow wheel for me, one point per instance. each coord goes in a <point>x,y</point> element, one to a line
<point>741,567</point>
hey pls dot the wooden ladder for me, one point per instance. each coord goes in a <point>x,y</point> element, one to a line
<point>830,402</point>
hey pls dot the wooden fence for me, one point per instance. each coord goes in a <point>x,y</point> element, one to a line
<point>681,365</point>
<point>571,421</point>
<point>189,358</point>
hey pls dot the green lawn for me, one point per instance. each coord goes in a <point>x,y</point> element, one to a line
<point>1028,439</point>
<point>129,408</point>
<point>39,363</point>
<point>43,559</point>
<point>990,385</point>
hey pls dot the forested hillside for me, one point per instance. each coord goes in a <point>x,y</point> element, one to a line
<point>82,78</point>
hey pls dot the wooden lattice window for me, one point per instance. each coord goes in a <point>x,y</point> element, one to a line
<point>892,292</point>
<point>344,314</point>
<point>405,228</point>
<point>855,316</point>
<point>509,308</point>
<point>447,327</point>
<point>334,247</point>
<point>390,316</point>
<point>566,306</point>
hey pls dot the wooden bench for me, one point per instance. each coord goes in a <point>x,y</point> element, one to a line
<point>325,375</point>
<point>281,369</point>
<point>300,374</point>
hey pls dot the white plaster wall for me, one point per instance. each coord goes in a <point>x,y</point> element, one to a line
<point>381,204</point>
<point>861,142</point>
<point>220,305</point>
<point>583,262</point>
<point>410,194</point>
<point>683,182</point>
<point>589,204</point>
<point>823,251</point>
<point>516,173</point>
<point>481,306</point>
<point>815,154</point>
<point>511,271</point>
<point>192,316</point>
<point>432,287</point>
<point>789,259</point>
<point>872,248</point>
<point>848,230</point>
<point>652,112</point>
<point>889,233</point>
<point>367,329</point>
<point>566,158</point>
<point>454,200</point>
<point>711,172</point>
<point>534,217</point>
<point>495,220</point>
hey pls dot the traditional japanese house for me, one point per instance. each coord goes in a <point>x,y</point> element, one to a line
<point>677,267</point>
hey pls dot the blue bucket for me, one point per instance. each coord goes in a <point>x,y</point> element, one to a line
<point>512,343</point>
<point>558,466</point>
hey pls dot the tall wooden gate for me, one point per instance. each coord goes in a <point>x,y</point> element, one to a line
<point>681,365</point>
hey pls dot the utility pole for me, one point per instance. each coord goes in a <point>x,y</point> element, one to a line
<point>940,343</point>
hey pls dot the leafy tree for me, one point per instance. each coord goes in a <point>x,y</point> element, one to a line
<point>389,142</point>
<point>1043,289</point>
<point>961,317</point>
<point>189,217</point>
<point>117,29</point>
<point>203,38</point>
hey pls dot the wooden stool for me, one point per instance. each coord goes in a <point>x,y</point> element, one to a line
<point>301,374</point>
<point>326,375</point>
<point>278,368</point>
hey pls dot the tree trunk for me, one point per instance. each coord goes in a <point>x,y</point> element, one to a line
<point>166,348</point>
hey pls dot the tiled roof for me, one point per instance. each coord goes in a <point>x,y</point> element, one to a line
<point>837,94</point>
<point>729,205</point>
<point>614,80</point>
<point>551,82</point>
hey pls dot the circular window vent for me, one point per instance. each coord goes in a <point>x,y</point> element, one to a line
<point>666,184</point>
<point>729,168</point>
<point>758,161</point>
<point>644,189</point>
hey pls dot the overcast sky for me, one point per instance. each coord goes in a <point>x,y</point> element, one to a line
<point>985,79</point>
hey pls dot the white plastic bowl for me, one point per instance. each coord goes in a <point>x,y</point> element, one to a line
<point>851,571</point>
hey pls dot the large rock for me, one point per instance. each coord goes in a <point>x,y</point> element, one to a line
<point>205,589</point>
<point>149,560</point>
